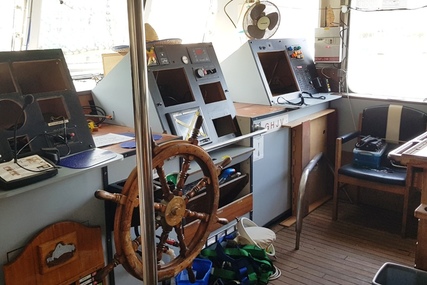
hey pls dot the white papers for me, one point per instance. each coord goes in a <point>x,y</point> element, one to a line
<point>26,166</point>
<point>109,139</point>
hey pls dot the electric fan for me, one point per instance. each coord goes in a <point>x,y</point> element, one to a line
<point>261,20</point>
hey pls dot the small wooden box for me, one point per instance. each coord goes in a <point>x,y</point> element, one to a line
<point>109,61</point>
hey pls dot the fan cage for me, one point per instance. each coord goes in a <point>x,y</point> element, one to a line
<point>250,25</point>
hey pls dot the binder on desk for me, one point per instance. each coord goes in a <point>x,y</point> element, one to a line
<point>87,158</point>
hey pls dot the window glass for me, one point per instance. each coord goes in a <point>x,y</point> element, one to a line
<point>12,17</point>
<point>189,20</point>
<point>83,30</point>
<point>388,49</point>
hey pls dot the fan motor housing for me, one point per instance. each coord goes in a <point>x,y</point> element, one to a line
<point>263,23</point>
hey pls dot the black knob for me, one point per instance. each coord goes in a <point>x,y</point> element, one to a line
<point>211,71</point>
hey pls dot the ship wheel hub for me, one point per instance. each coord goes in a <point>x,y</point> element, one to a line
<point>175,211</point>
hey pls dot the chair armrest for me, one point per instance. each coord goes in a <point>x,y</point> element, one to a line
<point>348,137</point>
<point>338,148</point>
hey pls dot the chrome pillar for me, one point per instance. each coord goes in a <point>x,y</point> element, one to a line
<point>143,138</point>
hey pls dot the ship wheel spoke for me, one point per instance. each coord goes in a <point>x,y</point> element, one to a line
<point>166,191</point>
<point>197,188</point>
<point>183,174</point>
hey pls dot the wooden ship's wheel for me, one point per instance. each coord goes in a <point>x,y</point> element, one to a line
<point>171,212</point>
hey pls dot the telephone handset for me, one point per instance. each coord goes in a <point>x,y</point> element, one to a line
<point>370,143</point>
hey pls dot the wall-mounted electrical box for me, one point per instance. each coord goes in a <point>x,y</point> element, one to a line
<point>327,45</point>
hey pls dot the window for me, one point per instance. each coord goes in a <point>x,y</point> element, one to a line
<point>387,54</point>
<point>12,23</point>
<point>190,20</point>
<point>84,30</point>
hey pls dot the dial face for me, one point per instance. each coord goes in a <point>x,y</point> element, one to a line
<point>184,59</point>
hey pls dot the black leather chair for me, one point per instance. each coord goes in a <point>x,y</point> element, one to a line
<point>394,123</point>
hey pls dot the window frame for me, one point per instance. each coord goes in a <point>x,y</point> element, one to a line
<point>355,17</point>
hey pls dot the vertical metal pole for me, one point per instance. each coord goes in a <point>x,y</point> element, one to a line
<point>143,139</point>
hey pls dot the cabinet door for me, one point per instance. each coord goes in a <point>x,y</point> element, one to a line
<point>315,134</point>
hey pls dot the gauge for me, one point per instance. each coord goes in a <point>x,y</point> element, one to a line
<point>184,59</point>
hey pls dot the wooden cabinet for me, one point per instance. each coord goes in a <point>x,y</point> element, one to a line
<point>311,135</point>
<point>292,139</point>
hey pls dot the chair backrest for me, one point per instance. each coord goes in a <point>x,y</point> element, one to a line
<point>394,123</point>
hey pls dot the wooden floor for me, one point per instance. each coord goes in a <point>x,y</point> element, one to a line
<point>348,251</point>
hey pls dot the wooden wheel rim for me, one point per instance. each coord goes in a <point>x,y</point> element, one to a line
<point>125,250</point>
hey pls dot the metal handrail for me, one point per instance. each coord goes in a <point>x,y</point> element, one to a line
<point>235,140</point>
<point>301,194</point>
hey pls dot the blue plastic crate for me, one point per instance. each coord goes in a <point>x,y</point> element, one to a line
<point>202,269</point>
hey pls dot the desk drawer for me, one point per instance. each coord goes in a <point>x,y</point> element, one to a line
<point>231,211</point>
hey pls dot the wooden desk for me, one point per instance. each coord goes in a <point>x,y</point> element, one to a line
<point>413,154</point>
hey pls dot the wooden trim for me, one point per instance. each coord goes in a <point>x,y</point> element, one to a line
<point>395,189</point>
<point>314,116</point>
<point>231,211</point>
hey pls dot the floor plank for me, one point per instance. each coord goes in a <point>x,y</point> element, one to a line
<point>347,251</point>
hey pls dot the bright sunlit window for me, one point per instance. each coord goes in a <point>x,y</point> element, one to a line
<point>189,20</point>
<point>388,49</point>
<point>85,30</point>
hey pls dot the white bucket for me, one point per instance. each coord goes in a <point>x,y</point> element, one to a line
<point>251,233</point>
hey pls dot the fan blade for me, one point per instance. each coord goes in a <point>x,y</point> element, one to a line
<point>255,32</point>
<point>274,19</point>
<point>256,11</point>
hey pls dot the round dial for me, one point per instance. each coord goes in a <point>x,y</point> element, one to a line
<point>185,59</point>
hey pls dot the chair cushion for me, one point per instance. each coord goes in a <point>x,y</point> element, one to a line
<point>386,175</point>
